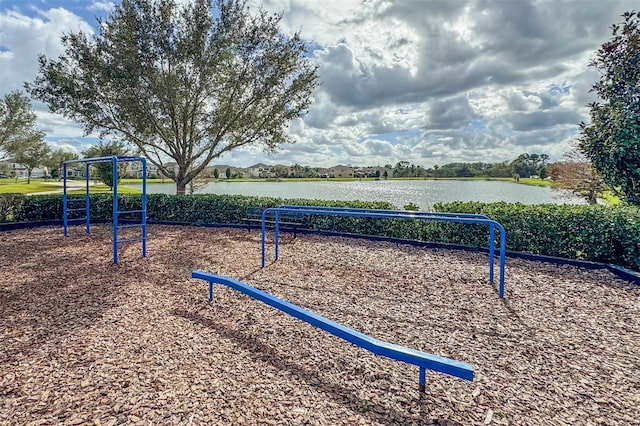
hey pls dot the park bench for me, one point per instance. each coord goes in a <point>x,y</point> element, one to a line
<point>288,221</point>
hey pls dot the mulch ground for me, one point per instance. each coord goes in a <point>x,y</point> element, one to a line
<point>87,342</point>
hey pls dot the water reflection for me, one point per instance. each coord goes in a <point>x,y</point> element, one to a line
<point>424,193</point>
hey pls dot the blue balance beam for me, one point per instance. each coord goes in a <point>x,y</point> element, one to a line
<point>399,353</point>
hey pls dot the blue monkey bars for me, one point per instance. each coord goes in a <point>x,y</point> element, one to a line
<point>114,159</point>
<point>395,214</point>
<point>396,352</point>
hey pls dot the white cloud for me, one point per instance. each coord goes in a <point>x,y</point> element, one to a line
<point>103,6</point>
<point>428,81</point>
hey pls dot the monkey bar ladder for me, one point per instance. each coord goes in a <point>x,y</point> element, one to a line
<point>73,205</point>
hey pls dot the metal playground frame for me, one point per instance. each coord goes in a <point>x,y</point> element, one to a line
<point>396,214</point>
<point>115,160</point>
<point>399,353</point>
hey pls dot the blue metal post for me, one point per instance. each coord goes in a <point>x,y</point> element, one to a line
<point>114,161</point>
<point>277,233</point>
<point>503,243</point>
<point>422,380</point>
<point>264,232</point>
<point>492,234</point>
<point>64,198</point>
<point>86,200</point>
<point>144,207</point>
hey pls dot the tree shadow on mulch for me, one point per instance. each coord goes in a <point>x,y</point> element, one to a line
<point>59,298</point>
<point>265,353</point>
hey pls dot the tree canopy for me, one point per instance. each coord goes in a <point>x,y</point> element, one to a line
<point>31,152</point>
<point>182,83</point>
<point>578,176</point>
<point>55,159</point>
<point>612,139</point>
<point>104,170</point>
<point>17,123</point>
<point>527,165</point>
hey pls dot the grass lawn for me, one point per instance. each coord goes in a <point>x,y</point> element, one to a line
<point>102,188</point>
<point>9,186</point>
<point>610,198</point>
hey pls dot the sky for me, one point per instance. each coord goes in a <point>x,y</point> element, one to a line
<point>426,81</point>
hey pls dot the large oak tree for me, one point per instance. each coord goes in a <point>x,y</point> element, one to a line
<point>182,83</point>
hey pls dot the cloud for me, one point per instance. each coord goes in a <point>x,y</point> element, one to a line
<point>104,6</point>
<point>542,120</point>
<point>427,81</point>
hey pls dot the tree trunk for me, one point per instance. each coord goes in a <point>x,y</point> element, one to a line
<point>180,188</point>
<point>28,176</point>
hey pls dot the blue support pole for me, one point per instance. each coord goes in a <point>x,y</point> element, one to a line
<point>277,233</point>
<point>86,200</point>
<point>114,161</point>
<point>144,207</point>
<point>503,243</point>
<point>264,233</point>
<point>492,235</point>
<point>64,198</point>
<point>422,380</point>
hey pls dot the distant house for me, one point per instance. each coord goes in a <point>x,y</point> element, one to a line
<point>134,169</point>
<point>20,171</point>
<point>222,170</point>
<point>259,170</point>
<point>373,172</point>
<point>75,171</point>
<point>322,172</point>
<point>171,166</point>
<point>341,171</point>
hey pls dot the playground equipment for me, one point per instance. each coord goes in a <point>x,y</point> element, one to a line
<point>399,353</point>
<point>395,214</point>
<point>115,159</point>
<point>410,214</point>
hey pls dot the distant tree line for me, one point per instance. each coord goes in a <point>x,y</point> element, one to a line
<point>525,165</point>
<point>22,142</point>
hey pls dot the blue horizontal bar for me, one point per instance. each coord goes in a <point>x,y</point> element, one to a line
<point>383,214</point>
<point>77,210</point>
<point>378,347</point>
<point>130,211</point>
<point>105,159</point>
<point>401,212</point>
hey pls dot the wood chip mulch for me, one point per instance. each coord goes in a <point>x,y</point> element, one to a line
<point>83,341</point>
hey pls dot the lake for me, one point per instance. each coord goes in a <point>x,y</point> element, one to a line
<point>423,193</point>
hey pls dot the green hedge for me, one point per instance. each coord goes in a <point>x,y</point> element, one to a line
<point>197,209</point>
<point>595,233</point>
